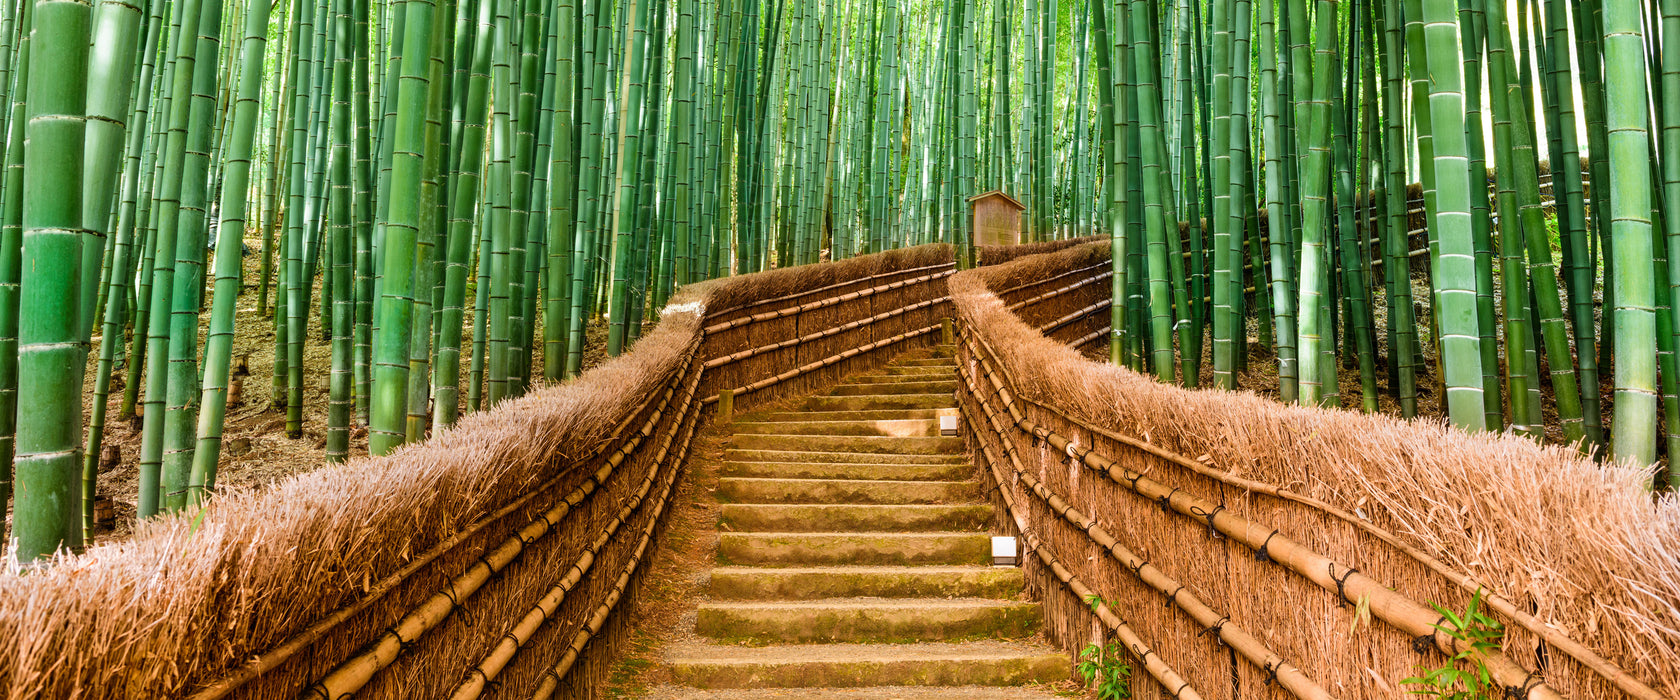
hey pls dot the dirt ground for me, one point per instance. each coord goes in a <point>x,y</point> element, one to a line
<point>255,449</point>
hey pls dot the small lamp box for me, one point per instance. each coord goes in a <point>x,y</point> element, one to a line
<point>997,218</point>
<point>1004,552</point>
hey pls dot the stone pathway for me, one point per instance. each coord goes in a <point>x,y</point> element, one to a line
<point>853,558</point>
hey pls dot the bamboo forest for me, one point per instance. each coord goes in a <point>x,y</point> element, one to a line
<point>706,349</point>
<point>1426,207</point>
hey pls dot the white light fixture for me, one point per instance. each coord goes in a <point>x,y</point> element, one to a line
<point>1003,552</point>
<point>948,426</point>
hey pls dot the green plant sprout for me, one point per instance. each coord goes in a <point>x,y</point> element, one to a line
<point>1477,634</point>
<point>1104,666</point>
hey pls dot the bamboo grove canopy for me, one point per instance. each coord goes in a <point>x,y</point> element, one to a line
<point>483,178</point>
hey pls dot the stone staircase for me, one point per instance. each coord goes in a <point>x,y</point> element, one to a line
<point>853,558</point>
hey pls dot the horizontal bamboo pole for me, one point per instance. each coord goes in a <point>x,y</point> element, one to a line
<point>1094,336</point>
<point>784,300</point>
<point>1552,636</point>
<point>357,671</point>
<point>1348,584</point>
<point>819,364</point>
<point>1623,681</point>
<point>279,654</point>
<point>1254,651</point>
<point>508,645</point>
<point>1157,667</point>
<point>791,342</point>
<point>1075,315</point>
<point>552,677</point>
<point>1060,291</point>
<point>1104,265</point>
<point>823,303</point>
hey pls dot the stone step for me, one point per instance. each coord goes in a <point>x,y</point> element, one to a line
<point>941,375</point>
<point>797,549</point>
<point>854,491</point>
<point>880,402</point>
<point>912,387</point>
<point>928,362</point>
<point>818,424</point>
<point>915,370</point>
<point>867,620</point>
<point>964,692</point>
<point>865,665</point>
<point>866,444</point>
<point>844,470</point>
<point>813,583</point>
<point>757,517</point>
<point>801,416</point>
<point>738,454</point>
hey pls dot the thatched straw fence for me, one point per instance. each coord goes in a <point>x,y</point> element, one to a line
<point>1245,548</point>
<point>495,560</point>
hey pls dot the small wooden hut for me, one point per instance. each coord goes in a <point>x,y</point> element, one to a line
<point>997,218</point>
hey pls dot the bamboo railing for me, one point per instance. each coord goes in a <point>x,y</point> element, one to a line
<point>497,559</point>
<point>1244,587</point>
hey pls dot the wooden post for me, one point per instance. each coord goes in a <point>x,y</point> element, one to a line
<point>947,335</point>
<point>726,406</point>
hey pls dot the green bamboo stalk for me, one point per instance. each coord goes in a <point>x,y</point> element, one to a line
<point>465,202</point>
<point>122,262</point>
<point>181,418</point>
<point>49,359</point>
<point>1629,195</point>
<point>218,346</point>
<point>158,333</point>
<point>1455,277</point>
<point>391,346</point>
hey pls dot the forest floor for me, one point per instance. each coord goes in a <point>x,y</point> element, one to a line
<point>256,451</point>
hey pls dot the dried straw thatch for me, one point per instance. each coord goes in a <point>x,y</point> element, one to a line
<point>1580,552</point>
<point>1000,254</point>
<point>407,573</point>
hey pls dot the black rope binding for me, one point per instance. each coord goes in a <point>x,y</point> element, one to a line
<point>1424,642</point>
<point>1261,554</point>
<point>1341,583</point>
<point>1136,569</point>
<point>1530,682</point>
<point>402,644</point>
<point>1166,501</point>
<point>1173,599</point>
<point>1134,480</point>
<point>1208,515</point>
<point>1271,672</point>
<point>1181,686</point>
<point>1217,628</point>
